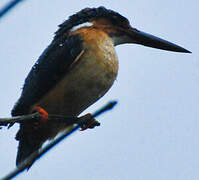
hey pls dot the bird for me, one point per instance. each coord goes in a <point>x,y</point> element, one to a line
<point>78,67</point>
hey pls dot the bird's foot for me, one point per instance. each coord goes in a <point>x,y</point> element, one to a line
<point>44,116</point>
<point>91,123</point>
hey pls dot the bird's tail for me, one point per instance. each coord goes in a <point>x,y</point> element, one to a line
<point>29,142</point>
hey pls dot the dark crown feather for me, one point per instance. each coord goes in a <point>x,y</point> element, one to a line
<point>85,15</point>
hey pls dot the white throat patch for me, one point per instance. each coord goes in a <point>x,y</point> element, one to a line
<point>86,24</point>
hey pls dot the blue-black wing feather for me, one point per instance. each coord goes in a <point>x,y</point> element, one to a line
<point>47,71</point>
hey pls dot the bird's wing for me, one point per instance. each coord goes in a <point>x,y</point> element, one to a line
<point>51,66</point>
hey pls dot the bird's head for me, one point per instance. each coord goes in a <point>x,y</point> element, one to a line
<point>116,26</point>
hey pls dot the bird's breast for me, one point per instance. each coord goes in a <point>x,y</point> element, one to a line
<point>88,79</point>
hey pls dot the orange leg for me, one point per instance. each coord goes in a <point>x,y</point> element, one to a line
<point>44,114</point>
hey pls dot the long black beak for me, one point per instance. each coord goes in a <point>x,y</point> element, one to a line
<point>149,40</point>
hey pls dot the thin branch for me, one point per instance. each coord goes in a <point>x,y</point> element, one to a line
<point>36,117</point>
<point>8,7</point>
<point>12,120</point>
<point>38,154</point>
<point>53,118</point>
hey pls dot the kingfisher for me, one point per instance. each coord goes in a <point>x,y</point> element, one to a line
<point>75,70</point>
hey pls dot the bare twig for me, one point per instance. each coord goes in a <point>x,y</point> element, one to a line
<point>36,116</point>
<point>38,154</point>
<point>11,120</point>
<point>8,7</point>
<point>53,118</point>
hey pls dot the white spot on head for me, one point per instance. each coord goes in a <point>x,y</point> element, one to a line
<point>86,24</point>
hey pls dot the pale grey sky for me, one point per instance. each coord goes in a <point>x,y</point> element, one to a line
<point>153,132</point>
